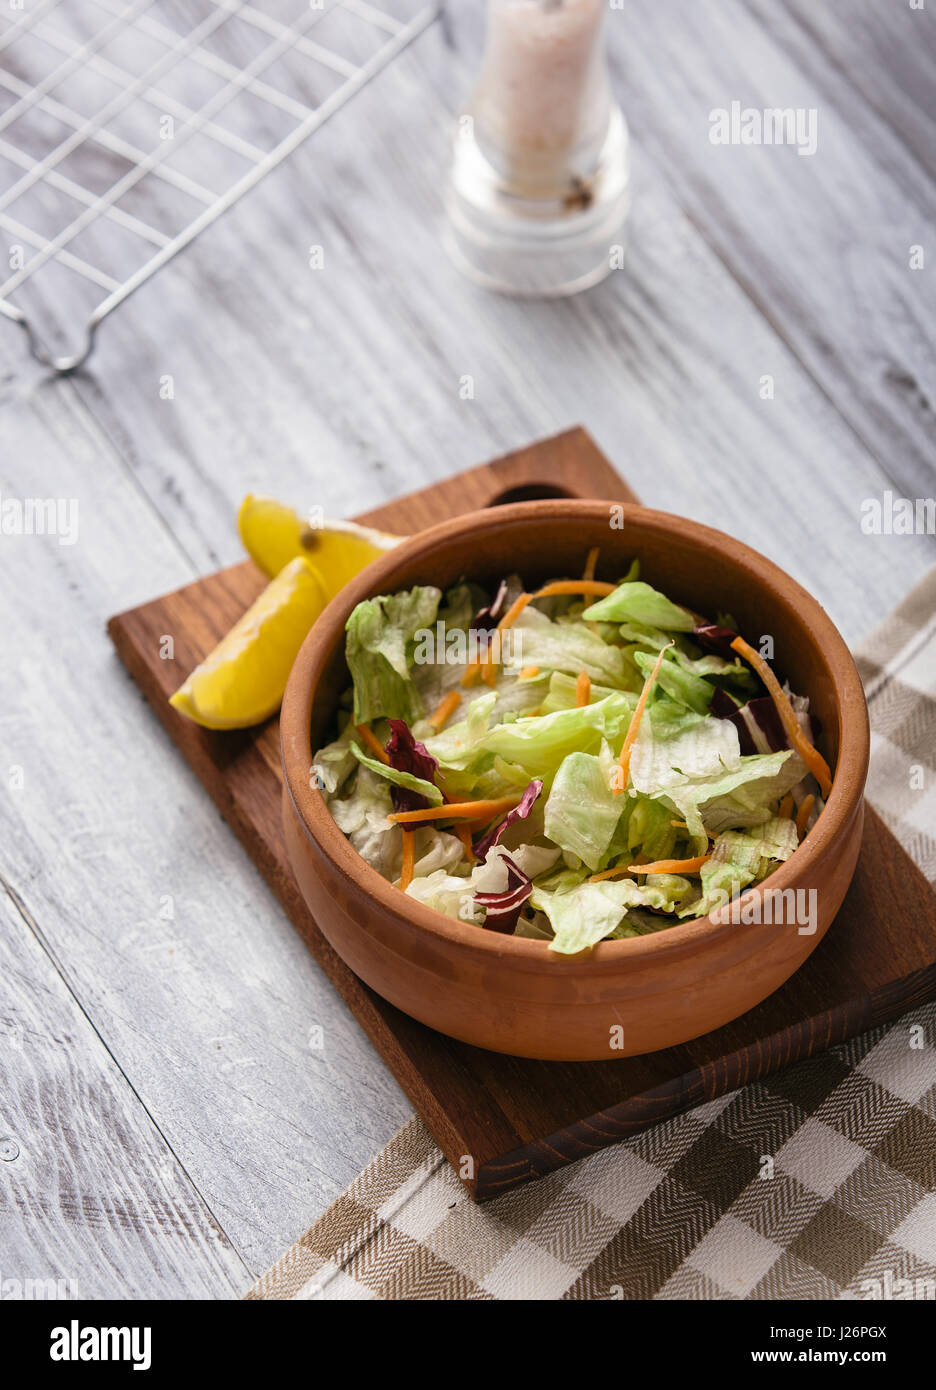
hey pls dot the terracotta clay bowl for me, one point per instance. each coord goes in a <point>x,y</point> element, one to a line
<point>511,994</point>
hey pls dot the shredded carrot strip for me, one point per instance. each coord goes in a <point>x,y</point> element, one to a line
<point>609,873</point>
<point>373,742</point>
<point>446,709</point>
<point>482,666</point>
<point>680,824</point>
<point>463,831</point>
<point>409,859</point>
<point>514,611</point>
<point>798,740</point>
<point>459,810</point>
<point>620,870</point>
<point>575,586</point>
<point>476,667</point>
<point>662,866</point>
<point>583,688</point>
<point>803,814</point>
<point>489,673</point>
<point>785,811</point>
<point>672,866</point>
<point>529,672</point>
<point>590,566</point>
<point>634,727</point>
<point>464,834</point>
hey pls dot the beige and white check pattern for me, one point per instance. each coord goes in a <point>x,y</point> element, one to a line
<point>816,1183</point>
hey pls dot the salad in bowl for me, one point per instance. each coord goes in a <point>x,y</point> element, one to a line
<point>581,761</point>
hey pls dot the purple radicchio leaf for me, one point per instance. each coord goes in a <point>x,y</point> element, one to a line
<point>407,754</point>
<point>490,616</point>
<point>715,639</point>
<point>519,812</point>
<point>723,705</point>
<point>502,910</point>
<point>759,727</point>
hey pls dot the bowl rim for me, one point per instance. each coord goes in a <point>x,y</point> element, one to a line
<point>845,798</point>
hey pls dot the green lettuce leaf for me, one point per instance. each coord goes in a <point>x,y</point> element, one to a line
<point>679,684</point>
<point>490,876</point>
<point>563,646</point>
<point>776,839</point>
<point>582,812</point>
<point>447,893</point>
<point>334,763</point>
<point>458,745</point>
<point>519,696</point>
<point>380,632</point>
<point>462,602</point>
<point>399,778</point>
<point>687,654</point>
<point>653,638</point>
<point>744,796</point>
<point>649,831</point>
<point>740,858</point>
<point>535,929</point>
<point>454,895</point>
<point>639,602</point>
<point>671,751</point>
<point>562,692</point>
<point>674,891</point>
<point>718,670</point>
<point>436,849</point>
<point>437,663</point>
<point>539,744</point>
<point>584,915</point>
<point>363,815</point>
<point>563,878</point>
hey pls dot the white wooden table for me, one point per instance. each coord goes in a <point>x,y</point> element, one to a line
<point>166,1129</point>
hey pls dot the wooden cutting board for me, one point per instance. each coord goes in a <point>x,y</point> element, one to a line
<point>520,1119</point>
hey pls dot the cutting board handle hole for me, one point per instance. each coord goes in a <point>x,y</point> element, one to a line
<point>529,492</point>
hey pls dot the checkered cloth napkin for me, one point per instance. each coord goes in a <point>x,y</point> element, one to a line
<point>844,1206</point>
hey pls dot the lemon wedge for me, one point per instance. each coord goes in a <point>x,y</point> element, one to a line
<point>242,681</point>
<point>273,534</point>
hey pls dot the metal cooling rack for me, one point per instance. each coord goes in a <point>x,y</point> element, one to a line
<point>162,38</point>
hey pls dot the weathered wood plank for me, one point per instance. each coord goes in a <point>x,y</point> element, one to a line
<point>90,1192</point>
<point>820,244</point>
<point>521,1119</point>
<point>354,381</point>
<point>344,386</point>
<point>877,62</point>
<point>176,952</point>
